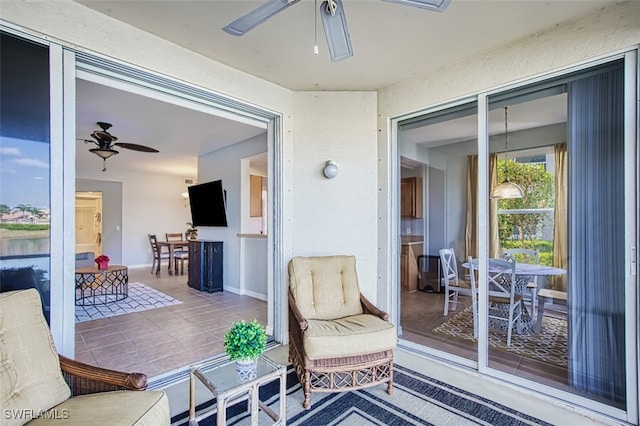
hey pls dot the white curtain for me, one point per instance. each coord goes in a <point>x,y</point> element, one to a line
<point>596,292</point>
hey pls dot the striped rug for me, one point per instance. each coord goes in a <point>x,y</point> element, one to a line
<point>417,400</point>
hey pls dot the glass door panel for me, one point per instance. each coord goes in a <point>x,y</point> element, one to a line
<point>438,163</point>
<point>25,166</point>
<point>561,246</point>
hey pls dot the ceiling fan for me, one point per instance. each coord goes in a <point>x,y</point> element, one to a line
<point>333,20</point>
<point>106,141</point>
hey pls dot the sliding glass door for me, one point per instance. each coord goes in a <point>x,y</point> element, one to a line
<point>553,258</point>
<point>25,207</point>
<point>560,320</point>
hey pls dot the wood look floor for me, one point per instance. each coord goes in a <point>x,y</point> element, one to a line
<point>162,340</point>
<point>421,312</point>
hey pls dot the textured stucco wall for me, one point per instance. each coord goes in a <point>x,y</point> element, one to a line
<point>601,33</point>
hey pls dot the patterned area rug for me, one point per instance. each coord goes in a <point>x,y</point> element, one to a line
<point>141,298</point>
<point>549,346</point>
<point>417,400</point>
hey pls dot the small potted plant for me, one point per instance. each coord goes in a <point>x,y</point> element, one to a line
<point>192,231</point>
<point>102,261</point>
<point>244,342</point>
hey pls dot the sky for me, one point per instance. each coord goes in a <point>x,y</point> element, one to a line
<point>24,172</point>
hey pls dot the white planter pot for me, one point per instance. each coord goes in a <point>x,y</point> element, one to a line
<point>247,369</point>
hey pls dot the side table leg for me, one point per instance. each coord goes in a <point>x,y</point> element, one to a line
<point>192,399</point>
<point>254,405</point>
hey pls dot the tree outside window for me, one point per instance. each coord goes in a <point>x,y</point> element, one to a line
<point>526,222</point>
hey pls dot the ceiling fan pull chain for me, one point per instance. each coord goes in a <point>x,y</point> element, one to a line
<point>104,164</point>
<point>331,7</point>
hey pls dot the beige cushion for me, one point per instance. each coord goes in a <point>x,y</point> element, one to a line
<point>349,336</point>
<point>325,287</point>
<point>110,408</point>
<point>30,377</point>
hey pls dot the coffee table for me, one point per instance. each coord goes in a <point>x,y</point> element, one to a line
<point>221,379</point>
<point>100,286</point>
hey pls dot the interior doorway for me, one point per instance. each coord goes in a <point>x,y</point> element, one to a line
<point>89,222</point>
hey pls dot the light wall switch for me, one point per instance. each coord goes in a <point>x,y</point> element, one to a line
<point>118,228</point>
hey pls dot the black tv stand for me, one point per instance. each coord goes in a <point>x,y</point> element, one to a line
<point>205,265</point>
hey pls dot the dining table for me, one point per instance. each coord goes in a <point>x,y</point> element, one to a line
<point>524,274</point>
<point>173,246</point>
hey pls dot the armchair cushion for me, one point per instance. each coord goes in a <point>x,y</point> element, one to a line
<point>27,382</point>
<point>315,283</point>
<point>115,408</point>
<point>349,336</point>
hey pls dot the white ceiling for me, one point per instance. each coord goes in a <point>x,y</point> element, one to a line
<point>180,134</point>
<point>391,42</point>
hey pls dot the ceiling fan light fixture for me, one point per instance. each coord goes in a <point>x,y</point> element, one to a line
<point>257,16</point>
<point>335,29</point>
<point>104,153</point>
<point>433,5</point>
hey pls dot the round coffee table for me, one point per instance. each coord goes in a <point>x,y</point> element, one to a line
<point>100,286</point>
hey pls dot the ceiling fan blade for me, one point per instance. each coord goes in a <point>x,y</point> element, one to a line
<point>434,5</point>
<point>335,29</point>
<point>136,147</point>
<point>250,20</point>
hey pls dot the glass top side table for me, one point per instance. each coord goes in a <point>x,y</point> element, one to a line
<point>223,382</point>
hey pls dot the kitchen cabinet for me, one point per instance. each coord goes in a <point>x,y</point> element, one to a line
<point>255,196</point>
<point>409,268</point>
<point>411,197</point>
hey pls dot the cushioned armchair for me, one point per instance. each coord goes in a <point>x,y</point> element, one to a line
<point>37,386</point>
<point>338,341</point>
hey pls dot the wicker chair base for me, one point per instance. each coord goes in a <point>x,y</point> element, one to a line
<point>342,374</point>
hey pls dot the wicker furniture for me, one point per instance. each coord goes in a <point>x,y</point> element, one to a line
<point>37,385</point>
<point>338,341</point>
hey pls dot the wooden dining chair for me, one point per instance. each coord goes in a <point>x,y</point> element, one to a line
<point>180,253</point>
<point>158,254</point>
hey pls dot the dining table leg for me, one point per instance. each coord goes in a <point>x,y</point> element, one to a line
<point>171,259</point>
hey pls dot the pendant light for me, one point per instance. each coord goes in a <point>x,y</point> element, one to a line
<point>506,189</point>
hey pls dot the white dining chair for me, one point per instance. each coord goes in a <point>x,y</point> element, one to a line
<point>453,286</point>
<point>505,302</point>
<point>522,255</point>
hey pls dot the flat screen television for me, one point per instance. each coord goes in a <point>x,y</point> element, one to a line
<point>208,204</point>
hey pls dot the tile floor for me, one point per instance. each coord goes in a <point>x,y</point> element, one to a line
<point>162,340</point>
<point>159,341</point>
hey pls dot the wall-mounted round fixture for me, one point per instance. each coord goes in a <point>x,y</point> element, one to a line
<point>330,169</point>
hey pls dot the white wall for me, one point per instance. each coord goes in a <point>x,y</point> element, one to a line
<point>225,164</point>
<point>335,216</point>
<point>607,30</point>
<point>151,204</point>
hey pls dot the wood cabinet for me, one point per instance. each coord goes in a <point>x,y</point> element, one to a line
<point>408,269</point>
<point>411,197</point>
<point>205,265</point>
<point>255,196</point>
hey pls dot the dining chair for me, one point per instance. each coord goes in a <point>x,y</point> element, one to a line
<point>453,286</point>
<point>180,253</point>
<point>505,301</point>
<point>158,254</point>
<point>522,255</point>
